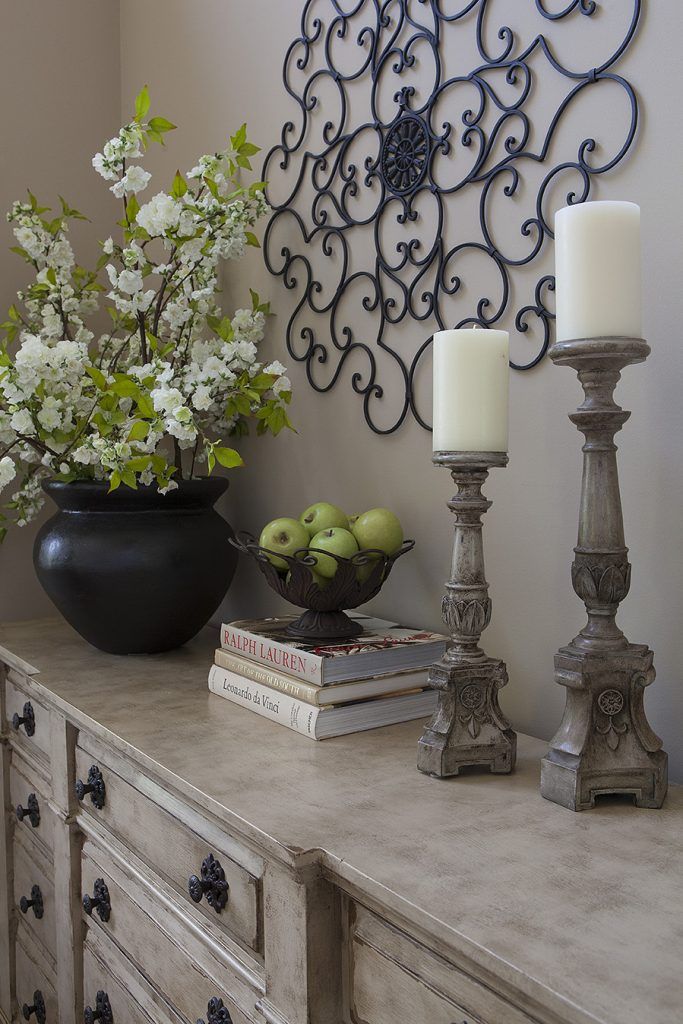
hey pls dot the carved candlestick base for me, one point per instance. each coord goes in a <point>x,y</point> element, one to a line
<point>604,743</point>
<point>468,727</point>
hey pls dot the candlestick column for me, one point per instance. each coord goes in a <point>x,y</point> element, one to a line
<point>604,743</point>
<point>468,727</point>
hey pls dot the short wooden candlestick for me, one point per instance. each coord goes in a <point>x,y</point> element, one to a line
<point>468,727</point>
<point>604,744</point>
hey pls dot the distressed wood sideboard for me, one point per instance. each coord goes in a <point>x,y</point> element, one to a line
<point>175,858</point>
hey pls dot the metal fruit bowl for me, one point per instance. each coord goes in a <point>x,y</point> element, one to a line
<point>324,618</point>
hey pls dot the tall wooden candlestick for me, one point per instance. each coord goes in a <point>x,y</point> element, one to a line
<point>604,744</point>
<point>468,727</point>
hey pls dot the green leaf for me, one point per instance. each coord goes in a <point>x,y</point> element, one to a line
<point>114,481</point>
<point>249,149</point>
<point>139,463</point>
<point>255,301</point>
<point>51,276</point>
<point>142,102</point>
<point>125,388</point>
<point>161,125</point>
<point>179,187</point>
<point>243,161</point>
<point>128,477</point>
<point>98,377</point>
<point>252,239</point>
<point>139,431</point>
<point>240,137</point>
<point>212,187</point>
<point>210,460</point>
<point>145,407</point>
<point>132,208</point>
<point>228,457</point>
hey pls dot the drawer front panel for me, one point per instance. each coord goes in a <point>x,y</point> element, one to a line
<point>124,1009</point>
<point>392,977</point>
<point>175,851</point>
<point>32,878</point>
<point>17,691</point>
<point>176,964</point>
<point>32,977</point>
<point>29,794</point>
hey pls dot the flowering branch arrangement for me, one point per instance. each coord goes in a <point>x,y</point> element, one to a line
<point>151,400</point>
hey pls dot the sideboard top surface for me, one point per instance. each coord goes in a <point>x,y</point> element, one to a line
<point>582,911</point>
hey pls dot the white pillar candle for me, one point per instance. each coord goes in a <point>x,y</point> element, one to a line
<point>471,377</point>
<point>597,271</point>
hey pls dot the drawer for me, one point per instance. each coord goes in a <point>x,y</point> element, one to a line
<point>27,791</point>
<point>392,977</point>
<point>174,850</point>
<point>33,734</point>
<point>32,984</point>
<point>33,882</point>
<point>131,997</point>
<point>175,960</point>
<point>100,976</point>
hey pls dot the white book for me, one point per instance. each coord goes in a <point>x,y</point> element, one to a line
<point>319,723</point>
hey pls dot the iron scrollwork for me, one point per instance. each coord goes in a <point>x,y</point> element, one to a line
<point>364,213</point>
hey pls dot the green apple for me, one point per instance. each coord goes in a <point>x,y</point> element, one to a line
<point>283,536</point>
<point>378,528</point>
<point>337,541</point>
<point>323,516</point>
<point>352,520</point>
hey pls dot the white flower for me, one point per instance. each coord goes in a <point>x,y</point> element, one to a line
<point>275,368</point>
<point>159,215</point>
<point>103,167</point>
<point>170,486</point>
<point>202,398</point>
<point>8,471</point>
<point>282,384</point>
<point>112,274</point>
<point>108,246</point>
<point>166,399</point>
<point>130,281</point>
<point>22,422</point>
<point>50,416</point>
<point>136,179</point>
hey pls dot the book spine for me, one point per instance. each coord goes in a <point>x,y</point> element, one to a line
<point>278,707</point>
<point>259,673</point>
<point>299,664</point>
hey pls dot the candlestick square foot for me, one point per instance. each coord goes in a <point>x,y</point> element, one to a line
<point>604,744</point>
<point>468,727</point>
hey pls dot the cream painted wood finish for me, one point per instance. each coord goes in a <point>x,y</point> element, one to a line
<point>361,892</point>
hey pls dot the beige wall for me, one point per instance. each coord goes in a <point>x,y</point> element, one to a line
<point>211,64</point>
<point>59,78</point>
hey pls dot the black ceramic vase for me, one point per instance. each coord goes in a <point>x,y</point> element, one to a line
<point>136,572</point>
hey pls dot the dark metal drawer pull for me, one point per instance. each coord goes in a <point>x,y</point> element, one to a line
<point>36,902</point>
<point>212,884</point>
<point>216,1013</point>
<point>31,811</point>
<point>38,1008</point>
<point>95,786</point>
<point>101,1012</point>
<point>28,719</point>
<point>99,900</point>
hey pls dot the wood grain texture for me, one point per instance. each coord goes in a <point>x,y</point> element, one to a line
<point>31,869</point>
<point>573,920</point>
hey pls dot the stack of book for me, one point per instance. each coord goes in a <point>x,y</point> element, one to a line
<point>376,679</point>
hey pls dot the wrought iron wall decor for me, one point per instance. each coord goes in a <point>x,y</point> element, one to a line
<point>363,181</point>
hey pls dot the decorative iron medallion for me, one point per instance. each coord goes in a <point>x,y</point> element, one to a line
<point>426,196</point>
<point>405,154</point>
